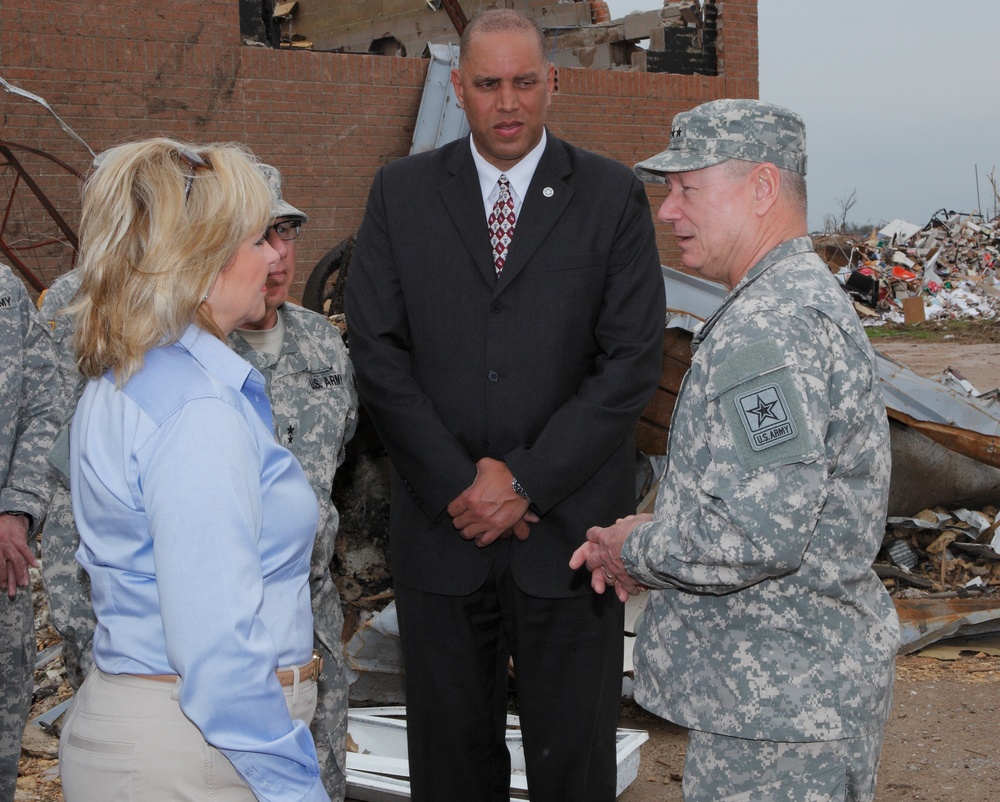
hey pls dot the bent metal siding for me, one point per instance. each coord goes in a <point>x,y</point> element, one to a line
<point>123,71</point>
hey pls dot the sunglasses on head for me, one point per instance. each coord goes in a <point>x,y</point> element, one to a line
<point>195,162</point>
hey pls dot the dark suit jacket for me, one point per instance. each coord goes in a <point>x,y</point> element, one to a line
<point>547,368</point>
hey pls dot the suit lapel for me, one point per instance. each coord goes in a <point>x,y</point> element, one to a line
<point>463,199</point>
<point>547,199</point>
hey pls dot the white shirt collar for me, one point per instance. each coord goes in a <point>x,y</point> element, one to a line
<point>519,175</point>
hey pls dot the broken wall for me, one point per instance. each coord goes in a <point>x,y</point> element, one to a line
<point>124,71</point>
<point>681,35</point>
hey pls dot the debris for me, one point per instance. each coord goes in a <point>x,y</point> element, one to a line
<point>902,555</point>
<point>954,648</point>
<point>682,35</point>
<point>361,564</point>
<point>16,90</point>
<point>375,659</point>
<point>906,273</point>
<point>948,580</point>
<point>924,621</point>
<point>36,743</point>
<point>440,118</point>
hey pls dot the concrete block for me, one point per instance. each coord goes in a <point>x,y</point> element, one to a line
<point>563,15</point>
<point>593,58</point>
<point>638,24</point>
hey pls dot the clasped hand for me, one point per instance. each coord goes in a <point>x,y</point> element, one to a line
<point>489,508</point>
<point>602,556</point>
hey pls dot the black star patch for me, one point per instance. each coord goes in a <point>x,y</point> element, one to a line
<point>764,411</point>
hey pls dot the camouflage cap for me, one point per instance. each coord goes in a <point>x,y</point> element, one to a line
<point>714,132</point>
<point>279,207</point>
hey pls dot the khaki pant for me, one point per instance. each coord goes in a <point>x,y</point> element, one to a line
<point>125,738</point>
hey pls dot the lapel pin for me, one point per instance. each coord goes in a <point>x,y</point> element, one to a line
<point>548,192</point>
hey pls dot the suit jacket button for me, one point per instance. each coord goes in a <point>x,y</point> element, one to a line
<point>493,376</point>
<point>496,307</point>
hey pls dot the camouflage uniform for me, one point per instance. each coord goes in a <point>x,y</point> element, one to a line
<point>768,623</point>
<point>67,585</point>
<point>311,387</point>
<point>32,408</point>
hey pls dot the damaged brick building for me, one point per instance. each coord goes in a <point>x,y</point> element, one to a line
<point>206,71</point>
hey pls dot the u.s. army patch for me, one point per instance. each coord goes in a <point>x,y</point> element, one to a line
<point>763,407</point>
<point>765,416</point>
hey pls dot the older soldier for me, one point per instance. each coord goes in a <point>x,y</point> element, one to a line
<point>31,410</point>
<point>768,635</point>
<point>311,386</point>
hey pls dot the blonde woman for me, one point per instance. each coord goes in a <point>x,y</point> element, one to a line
<point>196,528</point>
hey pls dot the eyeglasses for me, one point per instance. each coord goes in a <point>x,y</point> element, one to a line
<point>286,229</point>
<point>195,162</point>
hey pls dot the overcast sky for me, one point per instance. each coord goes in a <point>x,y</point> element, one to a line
<point>899,97</point>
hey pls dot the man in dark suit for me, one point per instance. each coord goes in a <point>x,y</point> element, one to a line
<point>505,373</point>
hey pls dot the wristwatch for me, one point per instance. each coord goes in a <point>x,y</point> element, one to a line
<point>520,490</point>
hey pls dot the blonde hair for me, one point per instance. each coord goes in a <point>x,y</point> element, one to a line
<point>156,230</point>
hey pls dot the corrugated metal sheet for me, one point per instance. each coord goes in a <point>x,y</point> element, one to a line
<point>439,119</point>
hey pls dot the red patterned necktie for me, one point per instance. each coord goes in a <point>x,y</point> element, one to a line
<point>502,222</point>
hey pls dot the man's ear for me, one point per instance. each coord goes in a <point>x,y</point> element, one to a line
<point>766,186</point>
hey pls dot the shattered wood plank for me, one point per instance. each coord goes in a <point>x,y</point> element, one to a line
<point>884,571</point>
<point>980,447</point>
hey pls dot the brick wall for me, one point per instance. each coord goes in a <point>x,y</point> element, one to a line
<point>123,71</point>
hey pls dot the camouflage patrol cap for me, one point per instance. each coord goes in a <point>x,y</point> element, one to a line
<point>279,207</point>
<point>719,130</point>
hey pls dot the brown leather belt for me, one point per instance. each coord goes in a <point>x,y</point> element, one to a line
<point>286,676</point>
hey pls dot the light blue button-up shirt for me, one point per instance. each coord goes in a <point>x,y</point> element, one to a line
<point>196,529</point>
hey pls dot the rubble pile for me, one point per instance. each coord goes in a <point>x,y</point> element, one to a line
<point>950,265</point>
<point>941,552</point>
<point>361,563</point>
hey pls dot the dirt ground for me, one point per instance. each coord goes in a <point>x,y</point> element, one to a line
<point>942,743</point>
<point>943,740</point>
<point>978,363</point>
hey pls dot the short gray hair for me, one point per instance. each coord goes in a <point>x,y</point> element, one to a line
<point>794,183</point>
